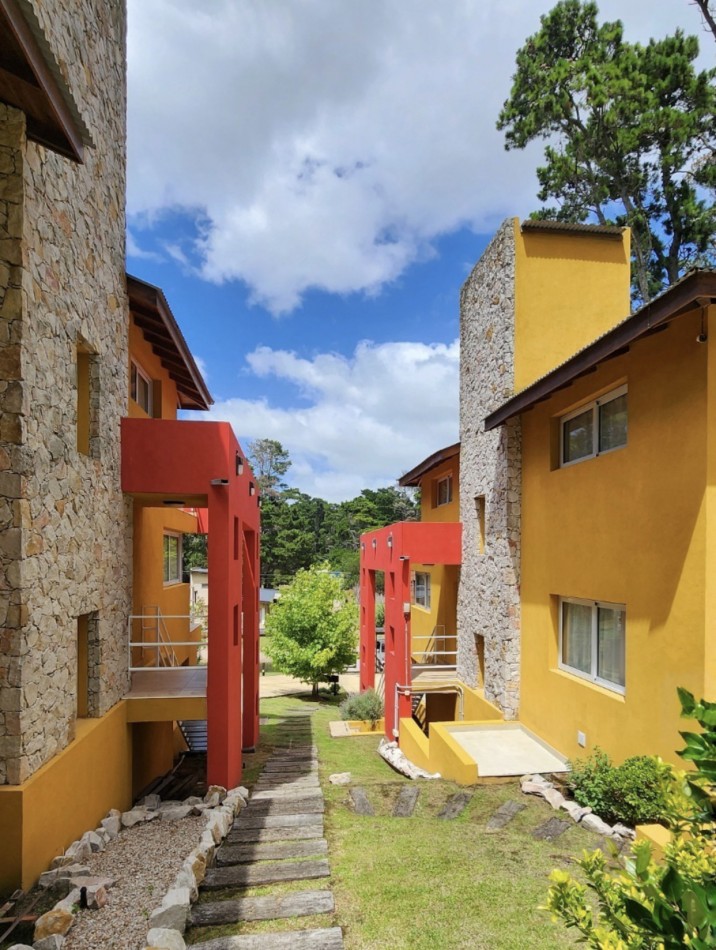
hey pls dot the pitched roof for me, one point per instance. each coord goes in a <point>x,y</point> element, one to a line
<point>30,80</point>
<point>412,478</point>
<point>155,319</point>
<point>696,288</point>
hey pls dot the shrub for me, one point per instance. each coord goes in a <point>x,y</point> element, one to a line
<point>634,792</point>
<point>364,706</point>
<point>380,614</point>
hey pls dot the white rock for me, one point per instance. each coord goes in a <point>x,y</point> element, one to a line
<point>71,902</point>
<point>541,780</point>
<point>185,878</point>
<point>215,794</point>
<point>93,840</point>
<point>243,791</point>
<point>199,808</point>
<point>554,797</point>
<point>175,812</point>
<point>340,778</point>
<point>161,938</point>
<point>174,910</point>
<point>53,942</point>
<point>594,823</point>
<point>112,825</point>
<point>193,800</point>
<point>96,896</point>
<point>136,816</point>
<point>576,812</point>
<point>151,801</point>
<point>623,831</point>
<point>533,788</point>
<point>20,946</point>
<point>61,860</point>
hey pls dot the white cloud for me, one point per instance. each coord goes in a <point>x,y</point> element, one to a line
<point>366,419</point>
<point>326,144</point>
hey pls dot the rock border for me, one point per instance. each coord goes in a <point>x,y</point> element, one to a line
<point>71,881</point>
<point>540,786</point>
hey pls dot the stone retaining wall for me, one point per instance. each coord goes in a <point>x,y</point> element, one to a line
<point>490,468</point>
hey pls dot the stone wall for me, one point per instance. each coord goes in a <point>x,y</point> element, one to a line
<point>490,467</point>
<point>69,552</point>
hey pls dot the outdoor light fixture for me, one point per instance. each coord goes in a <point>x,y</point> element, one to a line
<point>374,544</point>
<point>239,465</point>
<point>404,557</point>
<point>174,501</point>
<point>362,545</point>
<point>390,540</point>
<point>252,488</point>
<point>219,481</point>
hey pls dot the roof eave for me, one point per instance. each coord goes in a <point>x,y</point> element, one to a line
<point>412,478</point>
<point>692,290</point>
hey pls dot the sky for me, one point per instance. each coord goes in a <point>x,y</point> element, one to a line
<point>310,182</point>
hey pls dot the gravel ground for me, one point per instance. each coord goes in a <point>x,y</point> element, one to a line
<point>144,860</point>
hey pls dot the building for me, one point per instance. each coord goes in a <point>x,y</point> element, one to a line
<point>94,464</point>
<point>585,584</point>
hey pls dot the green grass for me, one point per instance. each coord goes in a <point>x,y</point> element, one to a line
<point>420,883</point>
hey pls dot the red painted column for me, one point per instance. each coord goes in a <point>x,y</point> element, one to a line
<point>250,600</point>
<point>224,672</point>
<point>402,580</point>
<point>367,629</point>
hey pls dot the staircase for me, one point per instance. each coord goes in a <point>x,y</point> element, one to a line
<point>420,710</point>
<point>194,732</point>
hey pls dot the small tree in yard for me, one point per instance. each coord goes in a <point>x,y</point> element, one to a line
<point>312,630</point>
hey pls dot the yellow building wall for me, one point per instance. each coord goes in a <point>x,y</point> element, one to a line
<point>709,688</point>
<point>65,798</point>
<point>569,289</point>
<point>443,578</point>
<point>628,527</point>
<point>142,353</point>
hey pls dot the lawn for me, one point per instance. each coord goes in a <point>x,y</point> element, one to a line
<point>422,882</point>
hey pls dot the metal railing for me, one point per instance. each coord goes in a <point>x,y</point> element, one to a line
<point>161,645</point>
<point>431,655</point>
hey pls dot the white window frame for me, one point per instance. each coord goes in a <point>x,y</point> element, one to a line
<point>135,368</point>
<point>594,407</point>
<point>592,676</point>
<point>445,480</point>
<point>168,582</point>
<point>425,603</point>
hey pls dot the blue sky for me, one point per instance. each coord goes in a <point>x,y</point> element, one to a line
<point>310,182</point>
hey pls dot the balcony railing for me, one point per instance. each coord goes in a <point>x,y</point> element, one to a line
<point>166,641</point>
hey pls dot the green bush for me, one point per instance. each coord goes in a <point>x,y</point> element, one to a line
<point>366,706</point>
<point>633,792</point>
<point>380,614</point>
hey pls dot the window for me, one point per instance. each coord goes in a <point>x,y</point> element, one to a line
<point>443,491</point>
<point>172,559</point>
<point>421,589</point>
<point>592,636</point>
<point>140,388</point>
<point>595,428</point>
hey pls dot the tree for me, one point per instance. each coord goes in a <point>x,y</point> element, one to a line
<point>631,137</point>
<point>269,461</point>
<point>708,13</point>
<point>194,551</point>
<point>312,629</point>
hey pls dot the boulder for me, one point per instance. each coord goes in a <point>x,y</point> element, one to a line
<point>93,880</point>
<point>594,823</point>
<point>185,878</point>
<point>554,797</point>
<point>55,921</point>
<point>623,831</point>
<point>136,816</point>
<point>196,863</point>
<point>533,788</point>
<point>161,938</point>
<point>152,802</point>
<point>61,860</point>
<point>174,910</point>
<point>93,840</point>
<point>63,873</point>
<point>53,942</point>
<point>215,795</point>
<point>96,896</point>
<point>175,812</point>
<point>340,778</point>
<point>112,825</point>
<point>193,800</point>
<point>576,812</point>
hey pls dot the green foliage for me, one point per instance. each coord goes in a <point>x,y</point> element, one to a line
<point>367,706</point>
<point>380,614</point>
<point>312,630</point>
<point>269,461</point>
<point>633,792</point>
<point>631,136</point>
<point>194,553</point>
<point>650,905</point>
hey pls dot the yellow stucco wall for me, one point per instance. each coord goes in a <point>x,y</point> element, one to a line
<point>65,798</point>
<point>569,289</point>
<point>628,527</point>
<point>443,579</point>
<point>141,352</point>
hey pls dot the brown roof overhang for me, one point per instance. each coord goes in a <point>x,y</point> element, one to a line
<point>154,318</point>
<point>30,80</point>
<point>612,231</point>
<point>412,478</point>
<point>697,288</point>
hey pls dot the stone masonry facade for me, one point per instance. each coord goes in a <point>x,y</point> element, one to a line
<point>490,480</point>
<point>65,547</point>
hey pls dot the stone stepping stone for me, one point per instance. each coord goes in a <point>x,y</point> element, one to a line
<point>281,851</point>
<point>311,829</point>
<point>287,806</point>
<point>250,875</point>
<point>295,904</point>
<point>405,805</point>
<point>273,793</point>
<point>361,804</point>
<point>504,815</point>
<point>330,938</point>
<point>551,829</point>
<point>455,805</point>
<point>246,820</point>
<point>286,767</point>
<point>287,781</point>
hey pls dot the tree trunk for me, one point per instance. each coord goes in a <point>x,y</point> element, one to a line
<point>314,689</point>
